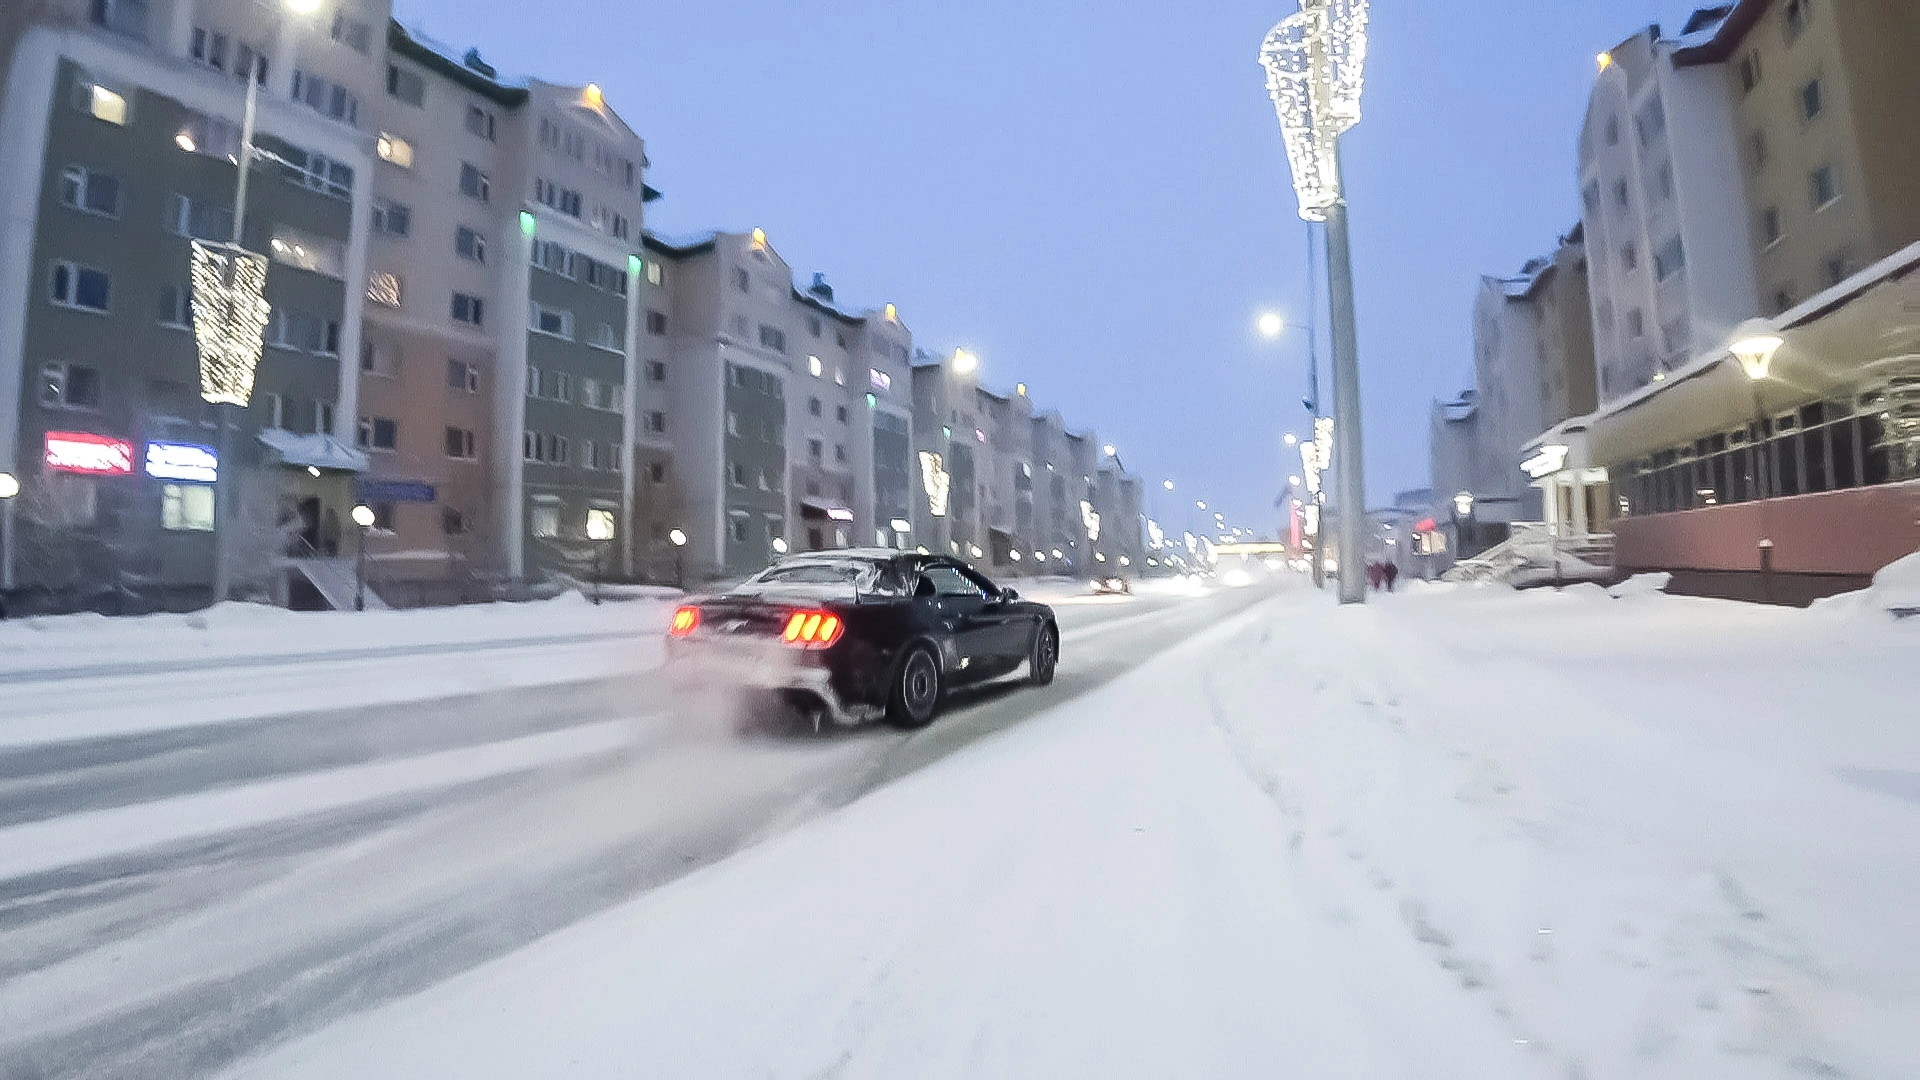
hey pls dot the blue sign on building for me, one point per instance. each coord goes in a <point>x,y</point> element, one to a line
<point>402,491</point>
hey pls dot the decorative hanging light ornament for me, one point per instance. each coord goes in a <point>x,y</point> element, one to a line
<point>1314,60</point>
<point>937,480</point>
<point>229,314</point>
<point>1090,519</point>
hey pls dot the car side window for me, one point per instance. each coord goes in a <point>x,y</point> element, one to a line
<point>950,581</point>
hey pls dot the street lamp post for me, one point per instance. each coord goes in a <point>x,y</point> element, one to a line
<point>229,313</point>
<point>1314,61</point>
<point>1754,345</point>
<point>679,541</point>
<point>362,517</point>
<point>9,488</point>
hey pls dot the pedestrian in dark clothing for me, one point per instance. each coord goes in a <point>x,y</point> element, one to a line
<point>1373,576</point>
<point>1392,572</point>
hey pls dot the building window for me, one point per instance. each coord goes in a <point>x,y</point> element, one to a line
<point>176,306</point>
<point>840,413</point>
<point>83,287</point>
<point>733,423</point>
<point>656,423</point>
<point>463,376</point>
<point>69,386</point>
<point>323,416</point>
<point>813,406</point>
<point>326,98</point>
<point>559,450</point>
<point>378,433</point>
<point>605,336</point>
<point>1770,226</point>
<point>562,387</point>
<point>1757,151</point>
<point>1663,180</point>
<point>656,274</point>
<point>377,359</point>
<point>306,251</point>
<point>1670,259</point>
<point>840,452</point>
<point>816,449</point>
<point>740,325</point>
<point>1839,267</point>
<point>1636,323</point>
<point>600,525</point>
<point>394,150</point>
<point>196,220</point>
<point>1810,100</point>
<point>469,244</point>
<point>738,525</point>
<point>590,455</point>
<point>1591,197</point>
<point>406,86</point>
<point>603,277</point>
<point>385,288</point>
<point>546,320</point>
<point>736,476</point>
<point>208,48</point>
<point>656,371</point>
<point>737,375</point>
<point>469,309</point>
<point>315,172</point>
<point>1630,257</point>
<point>1824,187</point>
<point>480,122</point>
<point>545,520</point>
<point>656,472</point>
<point>1749,72</point>
<point>553,258</point>
<point>461,444</point>
<point>772,337</point>
<point>530,446</point>
<point>474,183</point>
<point>1796,16</point>
<point>1651,122</point>
<point>452,521</point>
<point>353,33</point>
<point>566,200</point>
<point>742,280</point>
<point>100,102</point>
<point>392,218</point>
<point>186,507</point>
<point>90,190</point>
<point>1620,193</point>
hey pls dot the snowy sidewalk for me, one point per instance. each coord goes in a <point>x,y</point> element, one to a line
<point>1469,833</point>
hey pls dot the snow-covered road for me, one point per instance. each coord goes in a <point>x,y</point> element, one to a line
<point>285,838</point>
<point>1454,834</point>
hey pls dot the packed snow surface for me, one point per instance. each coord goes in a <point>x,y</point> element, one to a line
<point>1455,833</point>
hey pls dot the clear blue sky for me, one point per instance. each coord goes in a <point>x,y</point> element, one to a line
<point>1094,197</point>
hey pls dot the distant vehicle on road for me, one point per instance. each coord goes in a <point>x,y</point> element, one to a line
<point>1109,586</point>
<point>848,636</point>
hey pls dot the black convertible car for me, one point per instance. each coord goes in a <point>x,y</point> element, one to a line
<point>847,636</point>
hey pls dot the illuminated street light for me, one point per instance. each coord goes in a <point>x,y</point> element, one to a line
<point>1289,438</point>
<point>1754,345</point>
<point>679,541</point>
<point>1168,485</point>
<point>1271,324</point>
<point>1294,480</point>
<point>9,487</point>
<point>1200,505</point>
<point>363,517</point>
<point>1108,450</point>
<point>964,362</point>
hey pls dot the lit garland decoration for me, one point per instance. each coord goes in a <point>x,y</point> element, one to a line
<point>1090,519</point>
<point>937,480</point>
<point>1317,455</point>
<point>229,313</point>
<point>1314,60</point>
<point>383,288</point>
<point>1155,535</point>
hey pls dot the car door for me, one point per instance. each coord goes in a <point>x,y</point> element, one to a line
<point>1007,633</point>
<point>960,606</point>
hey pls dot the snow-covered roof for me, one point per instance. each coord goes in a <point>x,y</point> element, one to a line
<point>680,243</point>
<point>462,66</point>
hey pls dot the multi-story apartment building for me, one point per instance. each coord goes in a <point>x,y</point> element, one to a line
<point>122,127</point>
<point>500,361</point>
<point>1055,515</point>
<point>1823,92</point>
<point>1670,267</point>
<point>789,416</point>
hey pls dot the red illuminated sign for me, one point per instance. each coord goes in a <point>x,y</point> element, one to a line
<point>98,455</point>
<point>1426,525</point>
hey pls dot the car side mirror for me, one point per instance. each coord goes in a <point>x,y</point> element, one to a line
<point>923,589</point>
<point>1009,595</point>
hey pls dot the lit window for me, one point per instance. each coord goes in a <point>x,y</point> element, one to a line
<point>186,507</point>
<point>102,103</point>
<point>394,150</point>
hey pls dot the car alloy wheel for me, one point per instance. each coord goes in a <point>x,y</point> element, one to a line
<point>917,694</point>
<point>1046,655</point>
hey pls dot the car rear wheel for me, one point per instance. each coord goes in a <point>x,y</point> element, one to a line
<point>916,690</point>
<point>1045,656</point>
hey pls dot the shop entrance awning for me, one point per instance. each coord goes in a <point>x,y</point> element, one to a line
<point>312,451</point>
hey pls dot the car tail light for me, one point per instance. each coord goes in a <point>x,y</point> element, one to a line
<point>812,629</point>
<point>685,620</point>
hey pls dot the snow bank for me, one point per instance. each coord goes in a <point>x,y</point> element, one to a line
<point>1640,585</point>
<point>67,642</point>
